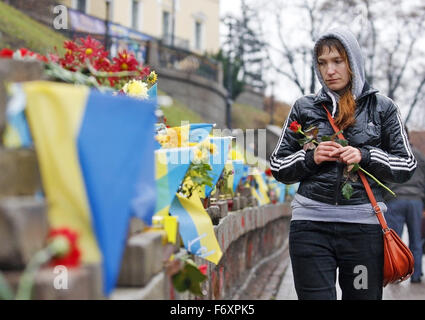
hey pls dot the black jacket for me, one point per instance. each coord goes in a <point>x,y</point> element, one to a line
<point>378,133</point>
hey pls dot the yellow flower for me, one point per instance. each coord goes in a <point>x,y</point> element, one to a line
<point>153,77</point>
<point>163,139</point>
<point>137,89</point>
<point>201,156</point>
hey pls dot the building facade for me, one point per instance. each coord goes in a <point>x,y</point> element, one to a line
<point>188,24</point>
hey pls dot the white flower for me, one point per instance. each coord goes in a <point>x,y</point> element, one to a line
<point>136,89</point>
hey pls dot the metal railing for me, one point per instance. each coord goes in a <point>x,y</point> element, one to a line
<point>186,61</point>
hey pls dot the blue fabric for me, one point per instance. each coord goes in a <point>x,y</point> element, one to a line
<point>187,226</point>
<point>199,131</point>
<point>238,167</point>
<point>115,147</point>
<point>217,161</point>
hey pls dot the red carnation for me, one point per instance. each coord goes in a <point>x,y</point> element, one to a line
<point>25,52</point>
<point>72,257</point>
<point>268,172</point>
<point>203,269</point>
<point>295,126</point>
<point>6,53</point>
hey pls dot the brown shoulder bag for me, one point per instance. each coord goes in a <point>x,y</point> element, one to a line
<point>398,259</point>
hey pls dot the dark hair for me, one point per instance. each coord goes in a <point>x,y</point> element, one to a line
<point>347,104</point>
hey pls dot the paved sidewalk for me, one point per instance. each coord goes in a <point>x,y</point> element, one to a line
<point>272,279</point>
<point>401,291</point>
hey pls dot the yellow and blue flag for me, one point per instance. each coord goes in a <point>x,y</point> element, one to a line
<point>238,173</point>
<point>171,166</point>
<point>17,133</point>
<point>199,131</point>
<point>260,191</point>
<point>153,94</point>
<point>282,192</point>
<point>95,152</point>
<point>196,228</point>
<point>217,160</point>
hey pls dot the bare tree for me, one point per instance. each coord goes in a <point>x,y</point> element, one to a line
<point>391,33</point>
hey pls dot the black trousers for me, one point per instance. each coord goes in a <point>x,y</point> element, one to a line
<point>317,249</point>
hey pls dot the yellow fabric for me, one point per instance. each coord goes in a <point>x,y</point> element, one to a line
<point>209,245</point>
<point>11,138</point>
<point>54,113</point>
<point>171,228</point>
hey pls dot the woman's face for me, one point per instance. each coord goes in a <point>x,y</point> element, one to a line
<point>334,69</point>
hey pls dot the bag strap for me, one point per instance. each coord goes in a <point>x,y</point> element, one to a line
<point>369,192</point>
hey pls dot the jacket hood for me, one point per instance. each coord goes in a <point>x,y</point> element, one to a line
<point>355,58</point>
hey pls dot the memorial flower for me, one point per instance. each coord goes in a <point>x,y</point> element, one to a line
<point>136,89</point>
<point>310,141</point>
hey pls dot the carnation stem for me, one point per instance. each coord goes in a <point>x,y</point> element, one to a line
<point>371,176</point>
<point>27,279</point>
<point>377,181</point>
<point>5,290</point>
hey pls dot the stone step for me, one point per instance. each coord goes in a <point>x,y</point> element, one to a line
<point>23,230</point>
<point>19,172</point>
<point>143,258</point>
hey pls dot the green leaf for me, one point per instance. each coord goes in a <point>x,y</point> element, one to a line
<point>189,278</point>
<point>355,168</point>
<point>342,142</point>
<point>336,134</point>
<point>304,141</point>
<point>347,190</point>
<point>326,138</point>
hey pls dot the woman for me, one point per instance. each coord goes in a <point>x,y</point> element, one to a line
<point>328,231</point>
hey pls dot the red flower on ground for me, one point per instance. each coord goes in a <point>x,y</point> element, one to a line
<point>41,58</point>
<point>25,52</point>
<point>72,257</point>
<point>295,126</point>
<point>203,269</point>
<point>6,53</point>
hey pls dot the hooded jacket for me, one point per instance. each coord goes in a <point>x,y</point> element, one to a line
<point>378,133</point>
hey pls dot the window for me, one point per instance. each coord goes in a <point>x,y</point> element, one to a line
<point>166,24</point>
<point>135,14</point>
<point>198,35</point>
<point>81,5</point>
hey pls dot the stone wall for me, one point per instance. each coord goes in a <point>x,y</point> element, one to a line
<point>272,137</point>
<point>204,96</point>
<point>246,237</point>
<point>251,97</point>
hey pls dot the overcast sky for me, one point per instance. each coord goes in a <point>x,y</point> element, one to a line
<point>281,88</point>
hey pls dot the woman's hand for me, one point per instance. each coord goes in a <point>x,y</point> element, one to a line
<point>325,150</point>
<point>347,155</point>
